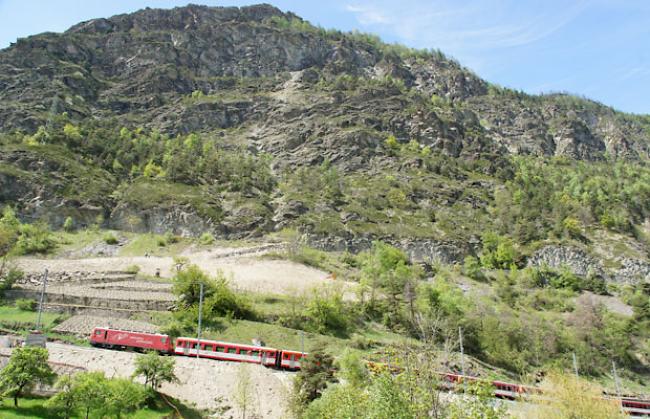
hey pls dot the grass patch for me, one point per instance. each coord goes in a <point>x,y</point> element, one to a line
<point>34,407</point>
<point>17,319</point>
<point>139,244</point>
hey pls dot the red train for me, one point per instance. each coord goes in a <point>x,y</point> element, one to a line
<point>290,360</point>
<point>227,351</point>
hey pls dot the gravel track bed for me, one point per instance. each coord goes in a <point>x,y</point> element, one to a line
<point>201,381</point>
<point>83,324</point>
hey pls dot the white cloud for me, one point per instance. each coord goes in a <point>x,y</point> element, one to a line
<point>367,15</point>
<point>468,30</point>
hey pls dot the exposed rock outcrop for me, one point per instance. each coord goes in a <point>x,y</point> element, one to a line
<point>575,259</point>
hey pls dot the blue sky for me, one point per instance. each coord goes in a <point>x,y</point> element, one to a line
<point>596,48</point>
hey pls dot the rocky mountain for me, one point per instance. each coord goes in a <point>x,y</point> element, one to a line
<point>140,67</point>
<point>337,135</point>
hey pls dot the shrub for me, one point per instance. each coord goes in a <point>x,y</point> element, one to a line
<point>109,238</point>
<point>206,239</point>
<point>132,269</point>
<point>26,304</point>
<point>68,225</point>
<point>33,238</point>
<point>327,312</point>
<point>171,238</point>
<point>472,269</point>
<point>13,275</point>
<point>572,397</point>
<point>498,251</point>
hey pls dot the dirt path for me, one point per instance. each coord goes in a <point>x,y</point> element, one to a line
<point>205,383</point>
<point>247,272</point>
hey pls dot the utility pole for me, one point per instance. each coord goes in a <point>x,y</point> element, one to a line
<point>575,364</point>
<point>198,336</point>
<point>462,355</point>
<point>40,304</point>
<point>302,342</point>
<point>618,385</point>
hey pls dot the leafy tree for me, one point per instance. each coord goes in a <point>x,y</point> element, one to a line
<point>572,397</point>
<point>187,285</point>
<point>498,251</point>
<point>315,374</point>
<point>122,396</point>
<point>326,312</point>
<point>472,269</point>
<point>219,298</point>
<point>65,402</point>
<point>26,367</point>
<point>243,394</point>
<point>352,369</point>
<point>480,404</point>
<point>387,401</point>
<point>92,391</point>
<point>339,401</point>
<point>155,369</point>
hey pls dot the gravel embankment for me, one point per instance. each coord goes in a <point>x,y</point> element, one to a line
<point>247,273</point>
<point>202,382</point>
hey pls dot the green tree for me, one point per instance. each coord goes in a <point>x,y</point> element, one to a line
<point>352,369</point>
<point>498,251</point>
<point>122,396</point>
<point>479,405</point>
<point>387,400</point>
<point>339,401</point>
<point>243,392</point>
<point>315,374</point>
<point>26,367</point>
<point>155,369</point>
<point>92,390</point>
<point>65,402</point>
<point>187,285</point>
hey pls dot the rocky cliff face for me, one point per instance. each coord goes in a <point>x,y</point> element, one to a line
<point>140,67</point>
<point>266,82</point>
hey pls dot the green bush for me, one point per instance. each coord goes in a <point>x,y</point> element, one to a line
<point>109,238</point>
<point>33,238</point>
<point>219,298</point>
<point>132,269</point>
<point>498,251</point>
<point>206,239</point>
<point>472,269</point>
<point>11,276</point>
<point>26,304</point>
<point>68,225</point>
<point>326,313</point>
<point>171,238</point>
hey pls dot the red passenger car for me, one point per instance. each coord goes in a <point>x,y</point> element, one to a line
<point>123,339</point>
<point>227,351</point>
<point>291,359</point>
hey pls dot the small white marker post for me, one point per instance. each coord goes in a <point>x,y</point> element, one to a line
<point>198,335</point>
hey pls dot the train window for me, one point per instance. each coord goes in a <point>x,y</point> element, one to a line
<point>98,333</point>
<point>193,346</point>
<point>232,350</point>
<point>163,339</point>
<point>255,353</point>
